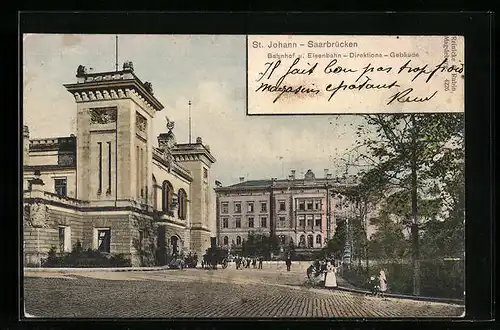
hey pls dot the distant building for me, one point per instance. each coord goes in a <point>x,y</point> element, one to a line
<point>109,186</point>
<point>299,211</point>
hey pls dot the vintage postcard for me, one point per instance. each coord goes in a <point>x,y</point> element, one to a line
<point>251,176</point>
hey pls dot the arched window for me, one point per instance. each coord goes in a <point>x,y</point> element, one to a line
<point>167,194</point>
<point>226,240</point>
<point>302,242</point>
<point>155,198</point>
<point>310,241</point>
<point>182,202</point>
<point>318,239</point>
<point>238,240</point>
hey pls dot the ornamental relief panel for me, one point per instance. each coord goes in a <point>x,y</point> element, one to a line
<point>102,115</point>
<point>36,215</point>
<point>66,159</point>
<point>141,123</point>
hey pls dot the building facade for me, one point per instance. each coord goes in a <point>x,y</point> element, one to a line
<point>299,211</point>
<point>113,186</point>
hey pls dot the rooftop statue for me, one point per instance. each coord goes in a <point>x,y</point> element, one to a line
<point>149,87</point>
<point>81,70</point>
<point>128,66</point>
<point>170,124</point>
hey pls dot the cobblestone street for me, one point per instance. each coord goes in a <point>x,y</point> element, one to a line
<point>271,292</point>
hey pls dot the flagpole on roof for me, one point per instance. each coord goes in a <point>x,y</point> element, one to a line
<point>116,53</point>
<point>189,104</point>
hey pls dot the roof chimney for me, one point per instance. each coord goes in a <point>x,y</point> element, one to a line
<point>242,178</point>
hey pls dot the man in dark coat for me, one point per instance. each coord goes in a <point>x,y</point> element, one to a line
<point>288,262</point>
<point>261,258</point>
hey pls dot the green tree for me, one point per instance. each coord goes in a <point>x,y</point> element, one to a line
<point>336,244</point>
<point>413,159</point>
<point>259,243</point>
<point>388,242</point>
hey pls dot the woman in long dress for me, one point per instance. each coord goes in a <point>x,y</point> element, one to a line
<point>383,283</point>
<point>330,277</point>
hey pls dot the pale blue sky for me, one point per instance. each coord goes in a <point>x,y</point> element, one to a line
<point>209,71</point>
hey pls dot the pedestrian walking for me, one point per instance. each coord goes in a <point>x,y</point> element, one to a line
<point>248,262</point>
<point>288,262</point>
<point>254,262</point>
<point>383,283</point>
<point>330,276</point>
<point>261,258</point>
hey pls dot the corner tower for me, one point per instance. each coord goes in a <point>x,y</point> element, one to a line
<point>114,135</point>
<point>196,157</point>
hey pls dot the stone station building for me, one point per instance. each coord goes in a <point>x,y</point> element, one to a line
<point>109,187</point>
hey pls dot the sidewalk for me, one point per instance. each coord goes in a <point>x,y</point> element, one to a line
<point>346,286</point>
<point>89,269</point>
<point>144,269</point>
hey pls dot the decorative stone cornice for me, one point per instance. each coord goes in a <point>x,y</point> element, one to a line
<point>59,143</point>
<point>194,151</point>
<point>113,85</point>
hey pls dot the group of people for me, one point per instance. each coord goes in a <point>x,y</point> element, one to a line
<point>191,260</point>
<point>245,262</point>
<point>378,285</point>
<point>327,267</point>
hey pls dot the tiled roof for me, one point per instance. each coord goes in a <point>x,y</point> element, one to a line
<point>253,183</point>
<point>295,183</point>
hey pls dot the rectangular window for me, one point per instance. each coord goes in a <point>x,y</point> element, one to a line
<point>250,207</point>
<point>282,206</point>
<point>237,223</point>
<point>282,222</point>
<point>317,205</point>
<point>250,222</point>
<point>263,222</point>
<point>99,190</point>
<point>225,207</point>
<point>205,173</point>
<point>309,205</point>
<point>60,186</point>
<point>302,221</point>
<point>317,222</point>
<point>109,169</point>
<point>309,221</point>
<point>263,206</point>
<point>104,240</point>
<point>141,239</point>
<point>64,239</point>
<point>140,173</point>
<point>138,176</point>
<point>237,207</point>
<point>225,223</point>
<point>302,205</point>
<point>61,239</point>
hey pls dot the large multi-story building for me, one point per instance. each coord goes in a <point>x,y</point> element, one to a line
<point>109,187</point>
<point>299,211</point>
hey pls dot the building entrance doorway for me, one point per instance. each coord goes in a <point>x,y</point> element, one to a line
<point>174,244</point>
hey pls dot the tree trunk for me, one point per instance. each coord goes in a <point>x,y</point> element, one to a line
<point>414,231</point>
